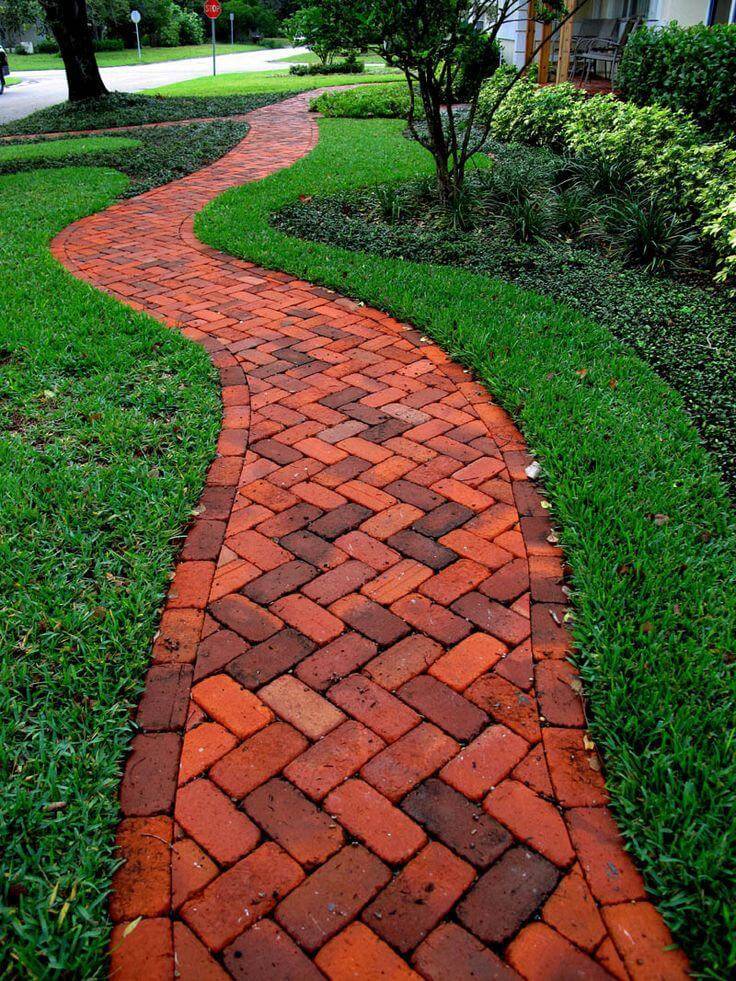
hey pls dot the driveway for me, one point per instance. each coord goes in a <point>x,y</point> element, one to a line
<point>46,88</point>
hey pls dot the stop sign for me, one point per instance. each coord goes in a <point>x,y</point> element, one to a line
<point>213,9</point>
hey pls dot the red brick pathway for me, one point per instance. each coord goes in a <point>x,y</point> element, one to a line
<point>362,750</point>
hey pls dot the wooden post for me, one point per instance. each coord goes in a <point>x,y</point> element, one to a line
<point>563,57</point>
<point>544,54</point>
<point>531,31</point>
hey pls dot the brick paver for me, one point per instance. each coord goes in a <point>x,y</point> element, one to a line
<point>362,748</point>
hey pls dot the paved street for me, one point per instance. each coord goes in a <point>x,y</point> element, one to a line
<point>46,88</point>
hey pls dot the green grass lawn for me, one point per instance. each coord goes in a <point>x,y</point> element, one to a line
<point>248,83</point>
<point>645,520</point>
<point>108,421</point>
<point>61,149</point>
<point>111,59</point>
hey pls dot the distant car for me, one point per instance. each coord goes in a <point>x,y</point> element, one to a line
<point>4,69</point>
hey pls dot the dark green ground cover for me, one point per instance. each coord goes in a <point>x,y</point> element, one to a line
<point>645,519</point>
<point>124,109</point>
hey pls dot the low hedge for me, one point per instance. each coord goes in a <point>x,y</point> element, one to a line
<point>688,68</point>
<point>367,102</point>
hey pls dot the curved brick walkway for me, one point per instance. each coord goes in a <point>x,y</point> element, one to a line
<point>361,751</point>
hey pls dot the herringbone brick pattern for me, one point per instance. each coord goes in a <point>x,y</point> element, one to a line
<point>362,749</point>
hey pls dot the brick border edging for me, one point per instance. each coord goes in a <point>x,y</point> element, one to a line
<point>149,786</point>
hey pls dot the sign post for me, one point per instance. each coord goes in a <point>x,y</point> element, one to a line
<point>135,16</point>
<point>213,9</point>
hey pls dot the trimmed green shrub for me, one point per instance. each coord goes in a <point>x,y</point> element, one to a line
<point>366,102</point>
<point>109,44</point>
<point>688,68</point>
<point>48,46</point>
<point>347,66</point>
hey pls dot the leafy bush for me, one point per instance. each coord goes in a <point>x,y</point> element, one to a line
<point>688,68</point>
<point>168,34</point>
<point>47,46</point>
<point>250,18</point>
<point>366,102</point>
<point>191,28</point>
<point>616,146</point>
<point>655,142</point>
<point>348,66</point>
<point>109,44</point>
<point>529,113</point>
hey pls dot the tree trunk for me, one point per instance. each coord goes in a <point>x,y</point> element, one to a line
<point>68,21</point>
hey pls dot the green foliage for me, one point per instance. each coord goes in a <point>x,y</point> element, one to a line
<point>18,15</point>
<point>250,18</point>
<point>687,68</point>
<point>529,113</point>
<point>366,102</point>
<point>191,28</point>
<point>346,66</point>
<point>647,231</point>
<point>646,524</point>
<point>616,146</point>
<point>655,142</point>
<point>46,46</point>
<point>329,27</point>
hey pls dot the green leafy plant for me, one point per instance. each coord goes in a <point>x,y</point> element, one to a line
<point>529,218</point>
<point>648,232</point>
<point>687,68</point>
<point>572,211</point>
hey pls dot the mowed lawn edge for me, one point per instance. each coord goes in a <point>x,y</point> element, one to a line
<point>643,516</point>
<point>109,422</point>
